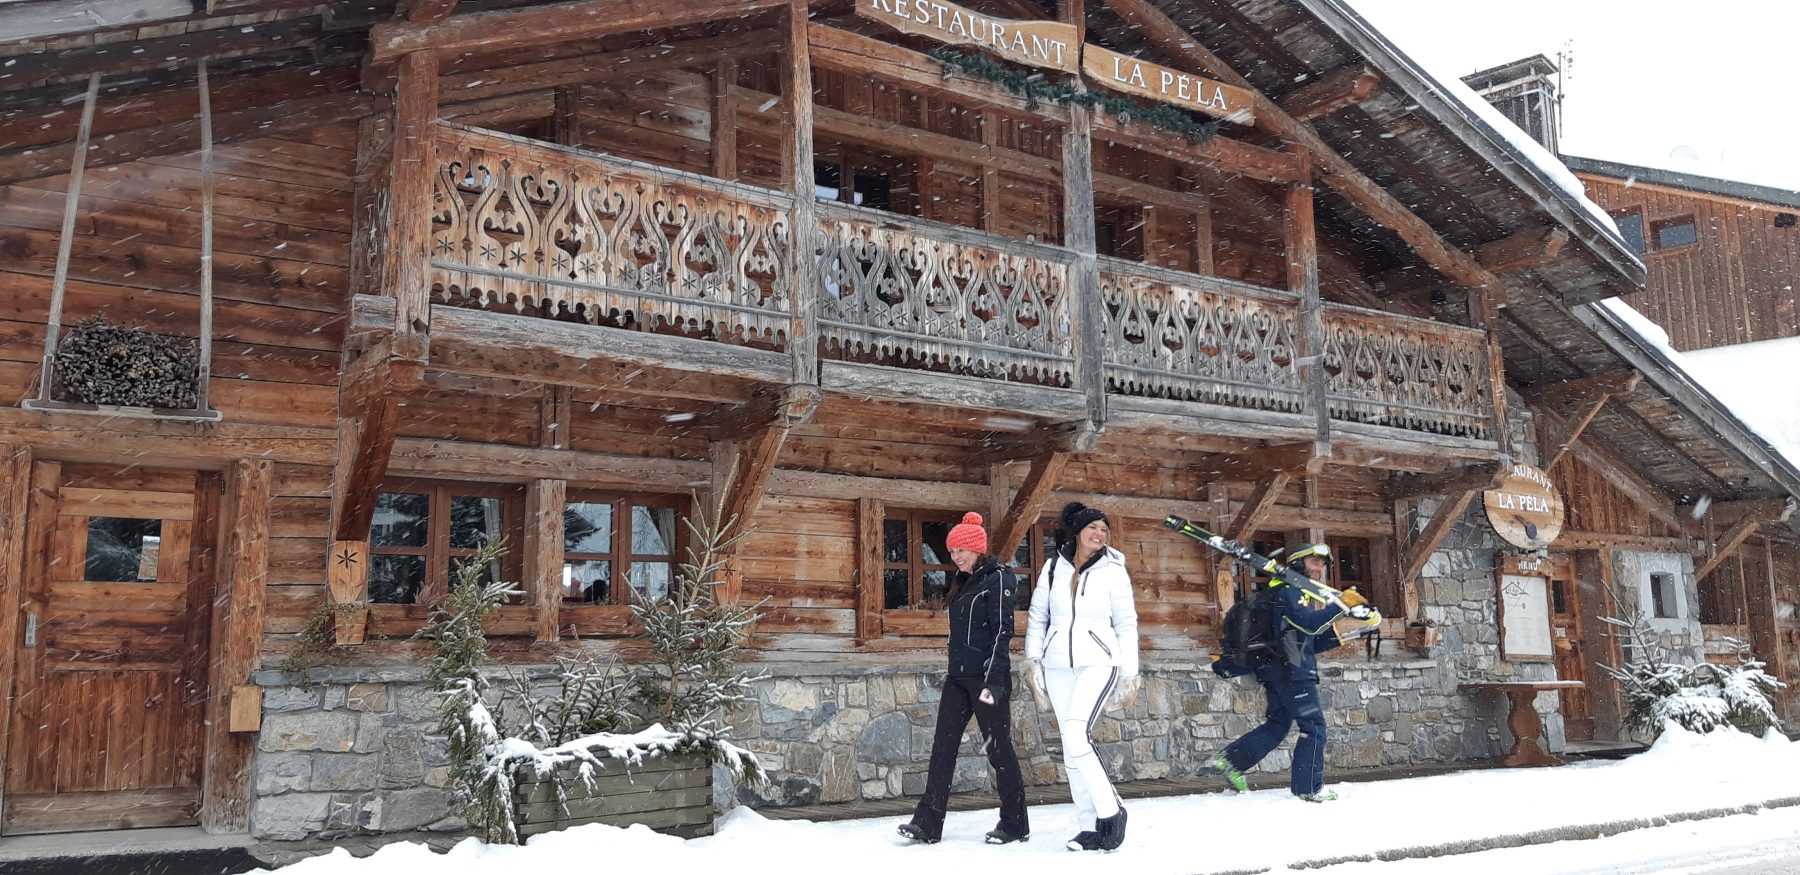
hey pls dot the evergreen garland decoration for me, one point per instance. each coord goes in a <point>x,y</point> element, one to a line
<point>1036,88</point>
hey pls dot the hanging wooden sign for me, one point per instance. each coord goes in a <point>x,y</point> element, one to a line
<point>1526,510</point>
<point>1129,75</point>
<point>1047,44</point>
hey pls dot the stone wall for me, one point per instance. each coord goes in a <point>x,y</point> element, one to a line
<point>1681,638</point>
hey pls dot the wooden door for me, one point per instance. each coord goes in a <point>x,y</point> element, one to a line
<point>108,696</point>
<point>1566,639</point>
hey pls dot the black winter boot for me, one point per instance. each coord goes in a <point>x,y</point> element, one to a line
<point>1086,840</point>
<point>916,833</point>
<point>1112,830</point>
<point>999,836</point>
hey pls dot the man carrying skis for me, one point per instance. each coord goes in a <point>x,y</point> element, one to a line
<point>1292,681</point>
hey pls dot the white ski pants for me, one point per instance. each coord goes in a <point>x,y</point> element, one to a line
<point>1077,695</point>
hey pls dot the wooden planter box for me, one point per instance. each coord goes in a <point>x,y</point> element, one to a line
<point>671,795</point>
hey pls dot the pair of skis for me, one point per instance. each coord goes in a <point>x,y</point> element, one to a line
<point>1259,563</point>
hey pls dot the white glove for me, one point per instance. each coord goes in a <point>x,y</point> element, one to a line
<point>1124,692</point>
<point>1034,678</point>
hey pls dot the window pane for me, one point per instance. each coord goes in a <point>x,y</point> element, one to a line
<point>489,574</point>
<point>1679,233</point>
<point>653,530</point>
<point>588,582</point>
<point>1662,596</point>
<point>651,579</point>
<point>476,521</point>
<point>1022,556</point>
<point>121,550</point>
<point>893,541</point>
<point>587,527</point>
<point>1631,227</point>
<point>893,588</point>
<point>395,580</point>
<point>932,549</point>
<point>936,584</point>
<point>400,520</point>
<point>1559,597</point>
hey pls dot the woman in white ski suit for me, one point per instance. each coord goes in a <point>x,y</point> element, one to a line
<point>1081,649</point>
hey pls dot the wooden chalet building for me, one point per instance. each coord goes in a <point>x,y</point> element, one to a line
<point>566,273</point>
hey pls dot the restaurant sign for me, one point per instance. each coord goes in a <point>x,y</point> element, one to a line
<point>1047,44</point>
<point>1526,510</point>
<point>1144,79</point>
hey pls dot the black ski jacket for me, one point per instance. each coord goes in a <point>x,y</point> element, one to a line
<point>981,624</point>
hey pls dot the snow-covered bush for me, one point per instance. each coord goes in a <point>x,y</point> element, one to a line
<point>1698,697</point>
<point>591,712</point>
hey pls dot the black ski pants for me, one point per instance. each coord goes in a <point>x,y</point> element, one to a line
<point>961,697</point>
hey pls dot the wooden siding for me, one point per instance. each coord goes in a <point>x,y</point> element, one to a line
<point>1735,285</point>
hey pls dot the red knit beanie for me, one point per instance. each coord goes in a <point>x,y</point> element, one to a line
<point>968,534</point>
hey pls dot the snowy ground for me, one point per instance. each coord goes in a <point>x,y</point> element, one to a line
<point>1682,772</point>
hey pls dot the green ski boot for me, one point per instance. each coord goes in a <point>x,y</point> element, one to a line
<point>1239,783</point>
<point>1321,796</point>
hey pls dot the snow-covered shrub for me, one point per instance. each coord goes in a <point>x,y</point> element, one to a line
<point>1698,697</point>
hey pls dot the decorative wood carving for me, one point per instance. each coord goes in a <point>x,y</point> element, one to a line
<point>1190,338</point>
<point>917,294</point>
<point>1413,374</point>
<point>536,227</point>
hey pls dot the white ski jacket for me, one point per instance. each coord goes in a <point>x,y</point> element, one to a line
<point>1092,622</point>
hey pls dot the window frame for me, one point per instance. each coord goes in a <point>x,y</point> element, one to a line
<point>1653,233</point>
<point>1643,233</point>
<point>613,617</point>
<point>399,618</point>
<point>915,566</point>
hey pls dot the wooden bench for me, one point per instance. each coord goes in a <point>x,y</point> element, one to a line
<point>1527,727</point>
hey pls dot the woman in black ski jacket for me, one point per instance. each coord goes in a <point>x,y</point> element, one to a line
<point>981,600</point>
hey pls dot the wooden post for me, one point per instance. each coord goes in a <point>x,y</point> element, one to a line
<point>543,546</point>
<point>1484,313</point>
<point>410,181</point>
<point>15,496</point>
<point>1302,241</point>
<point>203,376</point>
<point>724,121</point>
<point>796,84</point>
<point>237,624</point>
<point>65,243</point>
<point>1085,307</point>
<point>869,588</point>
<point>1759,611</point>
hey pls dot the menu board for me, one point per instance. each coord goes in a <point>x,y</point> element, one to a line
<point>1525,618</point>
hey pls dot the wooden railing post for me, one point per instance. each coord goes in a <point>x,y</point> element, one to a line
<point>803,223</point>
<point>1303,278</point>
<point>409,189</point>
<point>1079,237</point>
<point>1484,313</point>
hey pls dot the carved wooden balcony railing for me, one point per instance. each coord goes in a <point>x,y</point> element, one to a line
<point>912,293</point>
<point>549,230</point>
<point>1406,373</point>
<point>1191,338</point>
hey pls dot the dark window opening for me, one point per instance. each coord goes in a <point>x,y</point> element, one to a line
<point>122,550</point>
<point>1675,233</point>
<point>1663,598</point>
<point>1631,227</point>
<point>1785,220</point>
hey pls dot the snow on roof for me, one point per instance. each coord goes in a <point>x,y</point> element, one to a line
<point>1759,383</point>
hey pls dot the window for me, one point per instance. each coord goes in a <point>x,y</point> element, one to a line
<point>121,550</point>
<point>915,563</point>
<point>1631,227</point>
<point>1352,567</point>
<point>868,186</point>
<point>1675,233</point>
<point>609,537</point>
<point>1664,597</point>
<point>421,529</point>
<point>1786,220</point>
<point>1034,550</point>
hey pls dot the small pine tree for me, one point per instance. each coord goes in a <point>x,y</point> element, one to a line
<point>458,650</point>
<point>1699,698</point>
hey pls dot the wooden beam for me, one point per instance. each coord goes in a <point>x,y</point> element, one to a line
<point>788,405</point>
<point>1327,94</point>
<point>1259,463</point>
<point>1448,514</point>
<point>1255,511</point>
<point>410,178</point>
<point>1067,437</point>
<point>803,221</point>
<point>1301,248</point>
<point>1478,477</point>
<point>1027,503</point>
<point>1343,177</point>
<point>15,498</point>
<point>237,630</point>
<point>837,49</point>
<point>869,585</point>
<point>368,396</point>
<point>724,120</point>
<point>1767,509</point>
<point>501,29</point>
<point>1727,545</point>
<point>1528,248</point>
<point>543,553</point>
<point>1569,433</point>
<point>424,11</point>
<point>1761,606</point>
<point>1584,390</point>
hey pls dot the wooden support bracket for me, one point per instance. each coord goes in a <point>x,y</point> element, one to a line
<point>1079,436</point>
<point>1448,514</point>
<point>1583,390</point>
<point>1528,248</point>
<point>1754,515</point>
<point>1592,396</point>
<point>790,405</point>
<point>501,29</point>
<point>1256,510</point>
<point>1027,503</point>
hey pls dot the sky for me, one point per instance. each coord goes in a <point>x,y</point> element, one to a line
<point>1214,832</point>
<point>1648,78</point>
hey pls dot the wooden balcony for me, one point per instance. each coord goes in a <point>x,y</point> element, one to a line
<point>699,269</point>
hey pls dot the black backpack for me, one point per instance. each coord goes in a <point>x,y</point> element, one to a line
<point>1248,639</point>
